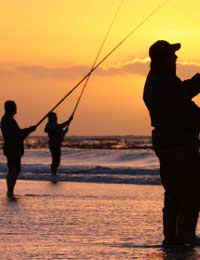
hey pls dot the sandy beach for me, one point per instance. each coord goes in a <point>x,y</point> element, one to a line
<point>84,221</point>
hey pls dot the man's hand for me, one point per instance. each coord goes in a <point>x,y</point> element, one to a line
<point>33,128</point>
<point>196,78</point>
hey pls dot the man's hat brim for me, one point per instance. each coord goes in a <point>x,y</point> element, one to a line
<point>175,46</point>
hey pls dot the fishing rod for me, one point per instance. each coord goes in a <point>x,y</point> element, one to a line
<point>97,56</point>
<point>105,57</point>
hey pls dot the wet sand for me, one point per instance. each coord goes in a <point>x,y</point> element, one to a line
<point>84,221</point>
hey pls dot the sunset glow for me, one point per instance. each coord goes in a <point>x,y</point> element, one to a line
<point>47,47</point>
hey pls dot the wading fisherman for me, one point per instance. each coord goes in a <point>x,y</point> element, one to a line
<point>13,146</point>
<point>175,119</point>
<point>56,133</point>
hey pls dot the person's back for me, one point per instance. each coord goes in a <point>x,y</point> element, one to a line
<point>173,113</point>
<point>55,134</point>
<point>13,140</point>
<point>55,131</point>
<point>175,119</point>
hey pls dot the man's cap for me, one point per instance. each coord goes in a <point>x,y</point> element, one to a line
<point>162,49</point>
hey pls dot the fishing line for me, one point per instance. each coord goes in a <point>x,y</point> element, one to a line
<point>98,54</point>
<point>105,57</point>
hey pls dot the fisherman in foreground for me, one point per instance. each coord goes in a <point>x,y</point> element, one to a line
<point>13,146</point>
<point>175,119</point>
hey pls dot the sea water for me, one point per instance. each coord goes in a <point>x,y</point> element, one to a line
<point>119,157</point>
<point>84,221</point>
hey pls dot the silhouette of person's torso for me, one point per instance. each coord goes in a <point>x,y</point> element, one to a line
<point>13,137</point>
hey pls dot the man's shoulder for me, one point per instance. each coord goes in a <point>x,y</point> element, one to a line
<point>8,122</point>
<point>4,119</point>
<point>7,118</point>
<point>156,80</point>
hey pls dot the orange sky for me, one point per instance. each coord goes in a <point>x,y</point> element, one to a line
<point>47,46</point>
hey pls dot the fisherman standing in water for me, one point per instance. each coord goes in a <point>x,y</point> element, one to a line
<point>56,133</point>
<point>13,146</point>
<point>176,121</point>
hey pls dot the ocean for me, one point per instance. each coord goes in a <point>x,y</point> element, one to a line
<point>79,221</point>
<point>121,159</point>
<point>95,221</point>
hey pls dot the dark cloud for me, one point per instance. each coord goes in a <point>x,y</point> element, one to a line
<point>136,67</point>
<point>80,70</point>
<point>187,69</point>
<point>5,72</point>
<point>56,73</point>
<point>139,67</point>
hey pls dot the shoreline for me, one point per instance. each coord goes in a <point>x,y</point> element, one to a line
<point>102,178</point>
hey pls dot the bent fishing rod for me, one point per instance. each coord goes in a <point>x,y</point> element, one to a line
<point>105,57</point>
<point>97,56</point>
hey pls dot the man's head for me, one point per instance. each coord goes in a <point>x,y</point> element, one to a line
<point>10,107</point>
<point>162,49</point>
<point>52,117</point>
<point>163,57</point>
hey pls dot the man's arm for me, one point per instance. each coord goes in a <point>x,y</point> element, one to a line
<point>46,129</point>
<point>65,130</point>
<point>191,86</point>
<point>26,131</point>
<point>66,123</point>
<point>10,129</point>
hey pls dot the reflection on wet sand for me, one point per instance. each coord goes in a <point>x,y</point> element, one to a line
<point>84,221</point>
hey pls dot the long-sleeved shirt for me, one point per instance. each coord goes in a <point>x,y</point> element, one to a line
<point>13,136</point>
<point>56,133</point>
<point>174,116</point>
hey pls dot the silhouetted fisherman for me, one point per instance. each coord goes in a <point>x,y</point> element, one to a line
<point>56,133</point>
<point>176,121</point>
<point>13,146</point>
